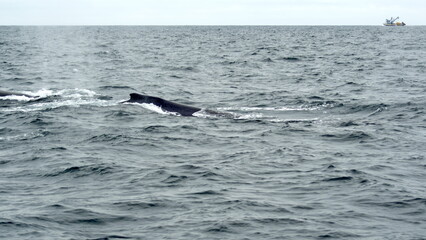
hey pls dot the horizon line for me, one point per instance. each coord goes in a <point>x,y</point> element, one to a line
<point>182,25</point>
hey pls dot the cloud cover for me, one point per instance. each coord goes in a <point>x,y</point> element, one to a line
<point>209,12</point>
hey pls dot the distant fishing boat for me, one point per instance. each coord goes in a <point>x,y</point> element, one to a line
<point>391,22</point>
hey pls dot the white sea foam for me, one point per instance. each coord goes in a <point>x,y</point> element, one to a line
<point>68,97</point>
<point>251,116</point>
<point>16,98</point>
<point>41,93</point>
<point>269,108</point>
<point>76,93</point>
<point>37,95</point>
<point>154,108</point>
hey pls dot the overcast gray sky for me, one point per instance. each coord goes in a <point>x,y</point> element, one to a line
<point>210,12</point>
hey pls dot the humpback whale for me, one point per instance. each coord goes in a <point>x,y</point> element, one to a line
<point>6,93</point>
<point>168,106</point>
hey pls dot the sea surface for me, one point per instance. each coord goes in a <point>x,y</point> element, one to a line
<point>324,136</point>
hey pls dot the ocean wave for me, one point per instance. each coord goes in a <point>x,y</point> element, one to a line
<point>80,216</point>
<point>24,136</point>
<point>347,136</point>
<point>82,171</point>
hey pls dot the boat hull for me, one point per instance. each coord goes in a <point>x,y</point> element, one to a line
<point>394,24</point>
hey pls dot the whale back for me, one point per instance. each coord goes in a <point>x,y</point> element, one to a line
<point>139,98</point>
<point>169,106</point>
<point>6,93</point>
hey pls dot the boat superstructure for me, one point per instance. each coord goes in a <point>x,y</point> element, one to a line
<point>391,22</point>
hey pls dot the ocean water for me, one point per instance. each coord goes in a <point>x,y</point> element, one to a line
<point>325,136</point>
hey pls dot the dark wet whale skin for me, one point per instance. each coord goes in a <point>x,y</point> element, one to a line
<point>168,106</point>
<point>6,93</point>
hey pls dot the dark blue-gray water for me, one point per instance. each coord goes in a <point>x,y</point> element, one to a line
<point>326,139</point>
